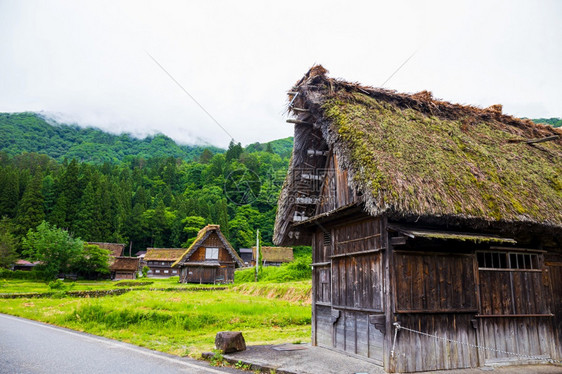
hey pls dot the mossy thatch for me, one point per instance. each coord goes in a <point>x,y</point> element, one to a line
<point>413,155</point>
<point>163,254</point>
<point>202,235</point>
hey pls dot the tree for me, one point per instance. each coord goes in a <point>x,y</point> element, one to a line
<point>8,244</point>
<point>54,247</point>
<point>31,211</point>
<point>192,226</point>
<point>206,156</point>
<point>234,151</point>
<point>92,262</point>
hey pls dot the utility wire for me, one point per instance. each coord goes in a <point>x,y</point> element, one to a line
<point>188,94</point>
<point>399,67</point>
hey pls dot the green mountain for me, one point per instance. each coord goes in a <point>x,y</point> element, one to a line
<point>30,132</point>
<point>555,122</point>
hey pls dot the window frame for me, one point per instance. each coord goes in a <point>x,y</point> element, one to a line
<point>211,253</point>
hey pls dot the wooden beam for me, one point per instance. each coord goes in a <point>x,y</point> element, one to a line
<point>542,140</point>
<point>298,122</point>
<point>301,110</point>
<point>398,240</point>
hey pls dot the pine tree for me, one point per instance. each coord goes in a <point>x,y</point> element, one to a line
<point>87,219</point>
<point>9,192</point>
<point>30,212</point>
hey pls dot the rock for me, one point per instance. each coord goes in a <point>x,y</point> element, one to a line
<point>230,341</point>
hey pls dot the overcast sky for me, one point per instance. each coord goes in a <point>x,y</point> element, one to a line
<point>87,63</point>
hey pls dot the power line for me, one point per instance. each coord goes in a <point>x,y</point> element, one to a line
<point>399,67</point>
<point>188,94</point>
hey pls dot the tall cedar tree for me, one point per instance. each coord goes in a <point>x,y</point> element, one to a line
<point>31,207</point>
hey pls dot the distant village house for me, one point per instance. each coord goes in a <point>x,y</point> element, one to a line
<point>210,259</point>
<point>274,256</point>
<point>124,268</point>
<point>160,261</point>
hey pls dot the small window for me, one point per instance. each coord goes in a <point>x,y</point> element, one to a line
<point>166,271</point>
<point>327,238</point>
<point>157,271</point>
<point>174,271</point>
<point>212,254</point>
<point>508,260</point>
<point>163,263</point>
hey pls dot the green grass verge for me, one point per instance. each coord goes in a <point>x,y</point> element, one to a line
<point>180,323</point>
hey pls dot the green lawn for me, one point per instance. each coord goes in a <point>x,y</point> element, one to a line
<point>181,323</point>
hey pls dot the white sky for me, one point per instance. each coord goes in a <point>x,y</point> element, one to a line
<point>86,62</point>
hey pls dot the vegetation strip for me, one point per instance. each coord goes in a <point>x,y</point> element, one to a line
<point>100,293</point>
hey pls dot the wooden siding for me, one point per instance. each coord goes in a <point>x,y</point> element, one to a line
<point>199,255</point>
<point>357,237</point>
<point>414,352</point>
<point>509,291</point>
<point>207,274</point>
<point>554,265</point>
<point>357,282</point>
<point>336,190</point>
<point>438,282</point>
<point>353,333</point>
<point>530,336</point>
<point>348,288</point>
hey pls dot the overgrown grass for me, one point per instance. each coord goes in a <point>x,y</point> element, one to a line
<point>181,323</point>
<point>297,270</point>
<point>30,286</point>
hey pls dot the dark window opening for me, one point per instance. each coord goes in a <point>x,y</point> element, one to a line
<point>508,260</point>
<point>327,238</point>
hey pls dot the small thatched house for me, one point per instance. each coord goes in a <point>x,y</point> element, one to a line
<point>274,256</point>
<point>25,265</point>
<point>124,268</point>
<point>425,217</point>
<point>115,249</point>
<point>160,261</point>
<point>210,259</point>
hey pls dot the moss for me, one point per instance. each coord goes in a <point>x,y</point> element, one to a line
<point>426,164</point>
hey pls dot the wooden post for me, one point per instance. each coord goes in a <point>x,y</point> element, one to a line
<point>257,253</point>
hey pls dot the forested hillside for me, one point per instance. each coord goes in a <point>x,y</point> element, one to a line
<point>556,122</point>
<point>159,196</point>
<point>31,132</point>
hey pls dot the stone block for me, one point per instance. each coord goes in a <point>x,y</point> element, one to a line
<point>230,341</point>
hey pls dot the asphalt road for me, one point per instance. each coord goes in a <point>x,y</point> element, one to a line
<point>33,347</point>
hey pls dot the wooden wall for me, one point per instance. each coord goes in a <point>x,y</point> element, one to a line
<point>207,274</point>
<point>414,352</point>
<point>446,294</point>
<point>362,284</point>
<point>348,288</point>
<point>212,241</point>
<point>554,266</point>
<point>434,282</point>
<point>336,190</point>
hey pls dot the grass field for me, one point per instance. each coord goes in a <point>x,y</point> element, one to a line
<point>179,322</point>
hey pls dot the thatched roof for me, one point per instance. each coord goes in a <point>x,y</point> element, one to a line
<point>163,254</point>
<point>125,264</point>
<point>412,155</point>
<point>116,249</point>
<point>203,234</point>
<point>275,254</point>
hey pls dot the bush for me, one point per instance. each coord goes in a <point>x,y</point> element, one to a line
<point>20,274</point>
